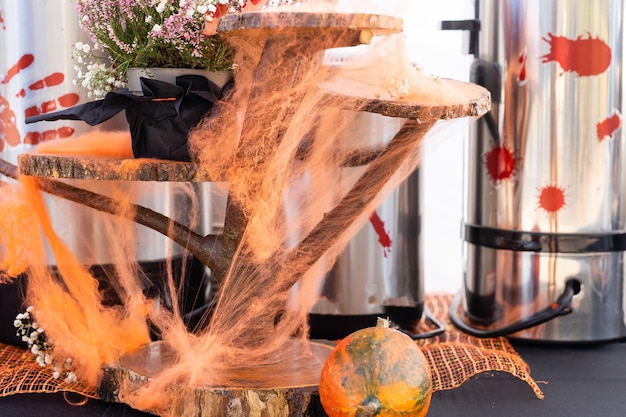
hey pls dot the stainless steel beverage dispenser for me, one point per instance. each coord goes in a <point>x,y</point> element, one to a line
<point>545,201</point>
<point>379,272</point>
<point>36,72</point>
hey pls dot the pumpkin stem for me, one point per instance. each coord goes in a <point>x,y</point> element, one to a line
<point>384,323</point>
<point>368,410</point>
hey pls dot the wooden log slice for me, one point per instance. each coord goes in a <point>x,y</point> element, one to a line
<point>281,389</point>
<point>87,167</point>
<point>353,28</point>
<point>440,99</point>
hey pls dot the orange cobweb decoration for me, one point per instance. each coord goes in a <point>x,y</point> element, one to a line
<point>16,231</point>
<point>454,357</point>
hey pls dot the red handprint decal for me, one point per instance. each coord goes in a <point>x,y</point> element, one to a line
<point>9,121</point>
<point>24,62</point>
<point>8,125</point>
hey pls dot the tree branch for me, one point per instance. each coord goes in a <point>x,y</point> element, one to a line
<point>202,247</point>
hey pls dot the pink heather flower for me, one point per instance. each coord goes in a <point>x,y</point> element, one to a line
<point>150,33</point>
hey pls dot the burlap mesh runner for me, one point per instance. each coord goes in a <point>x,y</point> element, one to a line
<point>454,358</point>
<point>20,374</point>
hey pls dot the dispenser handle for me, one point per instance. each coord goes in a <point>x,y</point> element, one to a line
<point>439,328</point>
<point>561,307</point>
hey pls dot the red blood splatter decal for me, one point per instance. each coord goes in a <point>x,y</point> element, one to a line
<point>2,21</point>
<point>584,56</point>
<point>608,126</point>
<point>24,62</point>
<point>551,198</point>
<point>383,236</point>
<point>500,163</point>
<point>521,78</point>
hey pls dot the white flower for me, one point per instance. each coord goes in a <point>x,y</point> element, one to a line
<point>17,323</point>
<point>56,374</point>
<point>157,29</point>
<point>34,349</point>
<point>71,377</point>
<point>41,361</point>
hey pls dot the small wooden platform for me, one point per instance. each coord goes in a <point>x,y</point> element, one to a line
<point>279,389</point>
<point>242,24</point>
<point>86,167</point>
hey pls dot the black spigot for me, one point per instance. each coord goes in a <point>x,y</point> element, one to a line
<point>472,26</point>
<point>482,72</point>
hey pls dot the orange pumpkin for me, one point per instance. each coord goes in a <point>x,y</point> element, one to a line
<point>377,371</point>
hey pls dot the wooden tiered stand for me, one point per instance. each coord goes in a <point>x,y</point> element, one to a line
<point>286,389</point>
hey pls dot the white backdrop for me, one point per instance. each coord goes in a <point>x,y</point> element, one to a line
<point>441,52</point>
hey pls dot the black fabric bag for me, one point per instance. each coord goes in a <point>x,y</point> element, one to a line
<point>11,304</point>
<point>159,120</point>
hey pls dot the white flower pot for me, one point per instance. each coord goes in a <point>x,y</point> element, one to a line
<point>220,78</point>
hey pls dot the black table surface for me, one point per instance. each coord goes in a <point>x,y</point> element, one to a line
<point>587,380</point>
<point>582,380</point>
